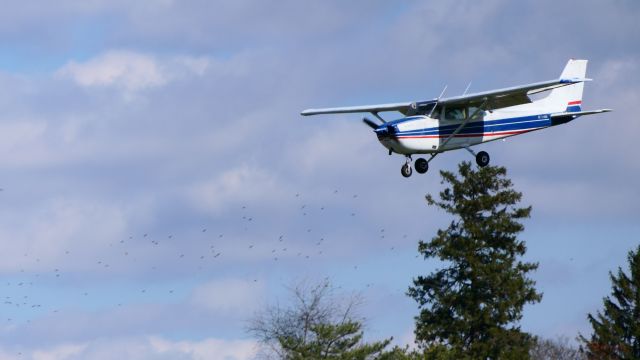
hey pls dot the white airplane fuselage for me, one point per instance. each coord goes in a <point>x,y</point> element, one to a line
<point>443,124</point>
<point>422,134</point>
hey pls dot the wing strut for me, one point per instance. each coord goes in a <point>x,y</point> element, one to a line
<point>460,127</point>
<point>375,113</point>
<point>437,100</point>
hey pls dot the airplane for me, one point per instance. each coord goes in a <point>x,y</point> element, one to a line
<point>443,124</point>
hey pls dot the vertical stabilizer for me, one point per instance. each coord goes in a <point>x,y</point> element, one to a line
<point>568,98</point>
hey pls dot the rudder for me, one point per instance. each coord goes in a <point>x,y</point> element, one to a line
<point>568,98</point>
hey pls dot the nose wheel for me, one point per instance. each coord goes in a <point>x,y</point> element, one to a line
<point>421,165</point>
<point>405,170</point>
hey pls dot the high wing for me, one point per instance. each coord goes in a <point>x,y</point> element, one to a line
<point>494,99</point>
<point>517,95</point>
<point>400,107</point>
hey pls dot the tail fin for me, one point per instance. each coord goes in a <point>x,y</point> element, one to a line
<point>568,98</point>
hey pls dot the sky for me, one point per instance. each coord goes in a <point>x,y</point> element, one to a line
<point>159,186</point>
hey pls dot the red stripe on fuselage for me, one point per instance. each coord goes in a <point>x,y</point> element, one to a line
<point>466,135</point>
<point>577,102</point>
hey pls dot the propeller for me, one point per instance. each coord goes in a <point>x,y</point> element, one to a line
<point>370,123</point>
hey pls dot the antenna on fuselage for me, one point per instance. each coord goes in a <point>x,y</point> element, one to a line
<point>438,99</point>
<point>467,89</point>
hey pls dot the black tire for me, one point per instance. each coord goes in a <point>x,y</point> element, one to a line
<point>405,170</point>
<point>482,159</point>
<point>421,165</point>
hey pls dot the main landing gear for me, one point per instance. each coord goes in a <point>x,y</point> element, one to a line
<point>482,158</point>
<point>420,164</point>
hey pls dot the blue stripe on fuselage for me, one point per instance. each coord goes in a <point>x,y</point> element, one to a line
<point>510,124</point>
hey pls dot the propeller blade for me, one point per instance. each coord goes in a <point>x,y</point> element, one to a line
<point>370,123</point>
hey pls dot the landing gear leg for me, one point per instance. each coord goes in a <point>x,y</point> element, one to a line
<point>482,158</point>
<point>405,170</point>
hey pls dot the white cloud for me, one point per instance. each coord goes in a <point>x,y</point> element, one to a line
<point>150,347</point>
<point>234,186</point>
<point>341,146</point>
<point>131,71</point>
<point>227,296</point>
<point>22,142</point>
<point>59,352</point>
<point>207,349</point>
<point>41,237</point>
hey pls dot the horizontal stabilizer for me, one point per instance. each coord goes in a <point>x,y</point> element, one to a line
<point>580,113</point>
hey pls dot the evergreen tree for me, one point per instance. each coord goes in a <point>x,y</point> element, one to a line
<point>470,308</point>
<point>616,330</point>
<point>333,341</point>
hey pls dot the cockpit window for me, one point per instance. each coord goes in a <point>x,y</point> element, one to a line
<point>475,112</point>
<point>461,113</point>
<point>456,113</point>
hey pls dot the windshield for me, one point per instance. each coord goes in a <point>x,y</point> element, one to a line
<point>428,110</point>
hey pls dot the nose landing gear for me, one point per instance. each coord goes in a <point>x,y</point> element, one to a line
<point>405,170</point>
<point>420,164</point>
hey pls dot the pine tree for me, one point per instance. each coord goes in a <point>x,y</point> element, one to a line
<point>470,307</point>
<point>333,341</point>
<point>616,330</point>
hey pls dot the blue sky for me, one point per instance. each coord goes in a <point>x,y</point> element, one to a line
<point>159,185</point>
